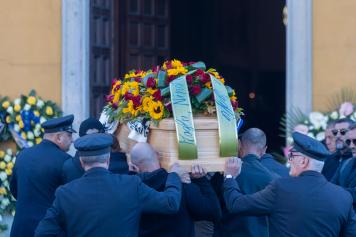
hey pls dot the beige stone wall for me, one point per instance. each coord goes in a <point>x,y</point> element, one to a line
<point>30,48</point>
<point>334,49</point>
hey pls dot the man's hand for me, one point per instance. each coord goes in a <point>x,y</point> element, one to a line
<point>183,174</point>
<point>233,167</point>
<point>197,171</point>
<point>133,168</point>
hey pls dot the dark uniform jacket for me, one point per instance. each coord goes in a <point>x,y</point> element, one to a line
<point>271,164</point>
<point>307,205</point>
<point>36,175</point>
<point>104,204</point>
<point>199,202</point>
<point>72,169</point>
<point>346,177</point>
<point>253,178</point>
<point>333,162</point>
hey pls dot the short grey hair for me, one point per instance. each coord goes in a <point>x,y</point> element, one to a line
<point>316,165</point>
<point>254,137</point>
<point>95,159</point>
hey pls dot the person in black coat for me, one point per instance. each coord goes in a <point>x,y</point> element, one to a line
<point>253,178</point>
<point>104,204</point>
<point>304,205</point>
<point>37,173</point>
<point>72,168</point>
<point>199,201</point>
<point>268,161</point>
<point>346,174</point>
<point>342,153</point>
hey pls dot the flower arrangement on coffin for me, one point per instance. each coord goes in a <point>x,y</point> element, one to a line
<point>145,94</point>
<point>7,161</point>
<point>163,100</point>
<point>315,123</point>
<point>24,116</point>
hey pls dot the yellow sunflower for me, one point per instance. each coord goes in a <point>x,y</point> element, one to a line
<point>146,103</point>
<point>156,110</point>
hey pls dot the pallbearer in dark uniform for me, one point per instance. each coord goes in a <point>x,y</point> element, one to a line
<point>305,205</point>
<point>72,168</point>
<point>104,204</point>
<point>37,174</point>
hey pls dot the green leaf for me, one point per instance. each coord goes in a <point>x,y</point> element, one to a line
<point>165,91</point>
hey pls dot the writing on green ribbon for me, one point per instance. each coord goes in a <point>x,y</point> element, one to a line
<point>226,119</point>
<point>183,117</point>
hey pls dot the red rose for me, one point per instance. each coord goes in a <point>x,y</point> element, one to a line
<point>195,89</point>
<point>169,65</point>
<point>151,82</point>
<point>204,78</point>
<point>157,95</point>
<point>169,79</point>
<point>109,98</point>
<point>189,79</point>
<point>199,72</point>
<point>234,104</point>
<point>138,79</point>
<point>114,105</point>
<point>128,96</point>
<point>136,100</point>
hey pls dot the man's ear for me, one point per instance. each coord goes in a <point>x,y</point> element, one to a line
<point>305,162</point>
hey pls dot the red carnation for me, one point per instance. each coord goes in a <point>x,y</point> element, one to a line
<point>151,82</point>
<point>128,96</point>
<point>189,79</point>
<point>195,89</point>
<point>157,95</point>
<point>199,72</point>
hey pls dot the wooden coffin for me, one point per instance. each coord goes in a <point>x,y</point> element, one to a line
<point>164,139</point>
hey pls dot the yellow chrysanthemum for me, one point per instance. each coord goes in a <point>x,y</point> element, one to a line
<point>8,172</point>
<point>125,88</point>
<point>146,103</point>
<point>21,124</point>
<point>31,100</point>
<point>38,140</point>
<point>2,165</point>
<point>10,165</point>
<point>116,97</point>
<point>151,91</point>
<point>3,191</point>
<point>8,119</point>
<point>113,91</point>
<point>208,85</point>
<point>18,118</point>
<point>176,71</point>
<point>5,104</point>
<point>2,154</point>
<point>156,110</point>
<point>36,113</point>
<point>49,110</point>
<point>17,107</point>
<point>222,80</point>
<point>233,98</point>
<point>176,63</point>
<point>129,107</point>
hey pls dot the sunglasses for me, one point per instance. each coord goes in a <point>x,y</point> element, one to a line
<point>348,142</point>
<point>342,131</point>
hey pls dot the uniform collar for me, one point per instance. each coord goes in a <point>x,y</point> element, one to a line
<point>46,141</point>
<point>96,171</point>
<point>250,158</point>
<point>311,173</point>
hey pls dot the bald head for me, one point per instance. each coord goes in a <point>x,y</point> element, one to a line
<point>253,141</point>
<point>144,157</point>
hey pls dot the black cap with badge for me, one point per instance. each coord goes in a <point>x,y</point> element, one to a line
<point>309,147</point>
<point>94,144</point>
<point>62,124</point>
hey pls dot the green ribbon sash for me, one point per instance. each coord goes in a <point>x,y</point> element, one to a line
<point>226,119</point>
<point>183,117</point>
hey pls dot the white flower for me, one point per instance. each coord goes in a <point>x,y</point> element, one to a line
<point>3,176</point>
<point>43,119</point>
<point>38,126</point>
<point>16,127</point>
<point>17,101</point>
<point>334,115</point>
<point>40,103</point>
<point>7,158</point>
<point>9,151</point>
<point>289,140</point>
<point>30,135</point>
<point>30,144</point>
<point>320,136</point>
<point>5,202</point>
<point>37,132</point>
<point>10,110</point>
<point>317,119</point>
<point>27,107</point>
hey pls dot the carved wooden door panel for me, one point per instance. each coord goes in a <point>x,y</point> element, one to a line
<point>144,33</point>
